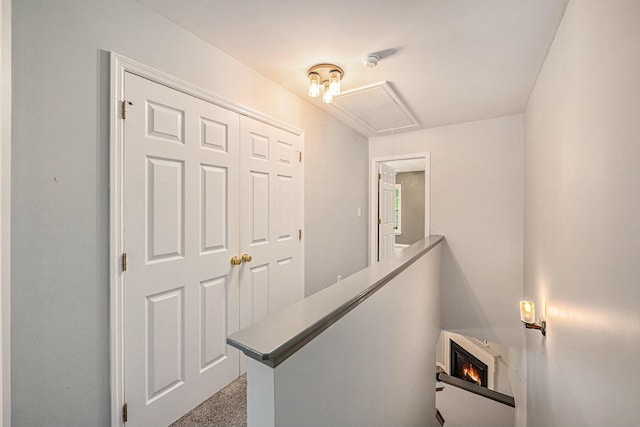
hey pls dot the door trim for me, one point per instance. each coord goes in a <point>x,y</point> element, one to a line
<point>373,196</point>
<point>119,66</point>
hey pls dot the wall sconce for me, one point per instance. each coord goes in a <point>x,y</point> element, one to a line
<point>326,77</point>
<point>528,317</point>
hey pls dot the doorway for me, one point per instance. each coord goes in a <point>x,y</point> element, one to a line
<point>406,168</point>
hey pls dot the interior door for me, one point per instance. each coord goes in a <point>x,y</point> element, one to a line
<point>386,210</point>
<point>181,296</point>
<point>269,220</point>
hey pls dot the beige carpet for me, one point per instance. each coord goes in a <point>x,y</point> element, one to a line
<point>227,408</point>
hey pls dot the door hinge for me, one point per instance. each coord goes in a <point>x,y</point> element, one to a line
<point>125,103</point>
<point>379,221</point>
<point>379,176</point>
<point>299,234</point>
<point>124,262</point>
<point>125,413</point>
<point>299,156</point>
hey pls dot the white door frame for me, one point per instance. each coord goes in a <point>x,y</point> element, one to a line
<point>119,66</point>
<point>373,196</point>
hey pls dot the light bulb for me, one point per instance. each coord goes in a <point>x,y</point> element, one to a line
<point>327,96</point>
<point>334,82</point>
<point>314,85</point>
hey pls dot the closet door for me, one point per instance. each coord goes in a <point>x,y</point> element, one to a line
<point>269,220</point>
<point>181,219</point>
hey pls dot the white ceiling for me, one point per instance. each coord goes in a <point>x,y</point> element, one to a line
<point>407,165</point>
<point>450,61</point>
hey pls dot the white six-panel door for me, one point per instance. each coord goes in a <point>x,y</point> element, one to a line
<point>269,220</point>
<point>181,215</point>
<point>386,210</point>
<point>202,184</point>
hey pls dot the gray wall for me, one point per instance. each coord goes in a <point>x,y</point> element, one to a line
<point>383,373</point>
<point>582,235</point>
<point>412,207</point>
<point>5,211</point>
<point>60,188</point>
<point>332,225</point>
<point>476,203</point>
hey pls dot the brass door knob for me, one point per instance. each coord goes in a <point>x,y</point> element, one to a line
<point>235,261</point>
<point>246,258</point>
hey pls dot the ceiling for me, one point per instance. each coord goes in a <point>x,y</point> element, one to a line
<point>407,165</point>
<point>448,61</point>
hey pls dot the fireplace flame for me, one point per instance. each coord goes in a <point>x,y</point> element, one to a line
<point>471,374</point>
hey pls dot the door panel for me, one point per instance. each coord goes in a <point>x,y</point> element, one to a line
<point>214,135</point>
<point>165,123</point>
<point>269,219</point>
<point>181,295</point>
<point>260,289</point>
<point>286,196</point>
<point>165,209</point>
<point>214,228</point>
<point>213,314</point>
<point>165,342</point>
<point>284,278</point>
<point>259,208</point>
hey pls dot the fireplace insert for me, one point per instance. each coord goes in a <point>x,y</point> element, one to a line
<point>466,366</point>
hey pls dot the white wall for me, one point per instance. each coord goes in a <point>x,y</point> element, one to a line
<point>476,203</point>
<point>373,367</point>
<point>461,408</point>
<point>582,234</point>
<point>336,185</point>
<point>60,167</point>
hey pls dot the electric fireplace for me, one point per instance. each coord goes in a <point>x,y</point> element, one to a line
<point>466,366</point>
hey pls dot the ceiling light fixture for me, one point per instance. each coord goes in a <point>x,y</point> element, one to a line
<point>326,77</point>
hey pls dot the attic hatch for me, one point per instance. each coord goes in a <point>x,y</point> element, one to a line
<point>375,107</point>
